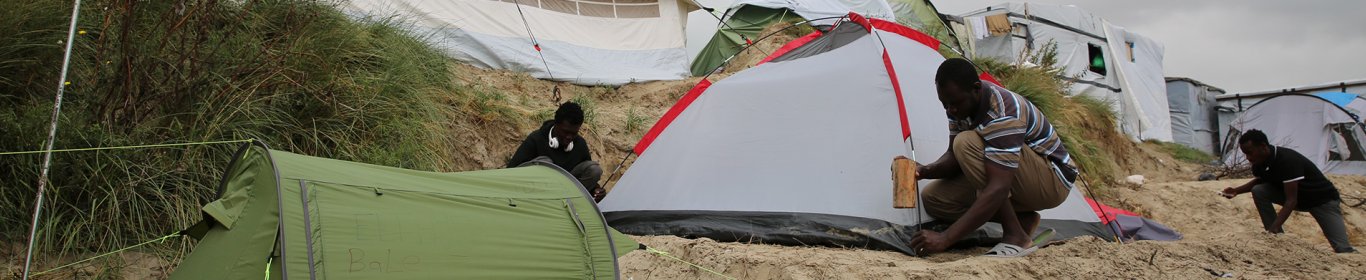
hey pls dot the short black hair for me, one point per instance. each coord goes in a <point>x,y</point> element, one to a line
<point>958,71</point>
<point>569,112</point>
<point>1253,136</point>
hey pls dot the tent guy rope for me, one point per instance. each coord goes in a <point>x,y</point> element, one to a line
<point>157,240</point>
<point>126,147</point>
<point>666,255</point>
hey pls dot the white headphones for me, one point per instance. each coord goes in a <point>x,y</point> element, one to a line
<point>555,143</point>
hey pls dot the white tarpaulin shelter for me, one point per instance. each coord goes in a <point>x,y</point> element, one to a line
<point>1194,120</point>
<point>1323,127</point>
<point>586,42</point>
<point>1232,103</point>
<point>1102,60</point>
<point>797,149</point>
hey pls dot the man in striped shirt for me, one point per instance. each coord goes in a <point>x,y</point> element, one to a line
<point>1006,163</point>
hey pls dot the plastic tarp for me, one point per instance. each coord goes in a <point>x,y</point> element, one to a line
<point>1193,116</point>
<point>1309,125</point>
<point>608,44</point>
<point>1134,87</point>
<point>796,150</point>
<point>1132,226</point>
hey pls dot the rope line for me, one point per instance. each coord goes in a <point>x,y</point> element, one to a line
<point>534,43</point>
<point>163,238</point>
<point>268,260</point>
<point>127,147</point>
<point>664,254</point>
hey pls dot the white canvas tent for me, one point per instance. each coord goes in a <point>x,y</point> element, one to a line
<point>1102,60</point>
<point>796,150</point>
<point>586,42</point>
<point>1232,103</point>
<point>1322,127</point>
<point>1194,119</point>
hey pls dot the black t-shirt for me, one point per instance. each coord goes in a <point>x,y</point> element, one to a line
<point>538,144</point>
<point>1286,165</point>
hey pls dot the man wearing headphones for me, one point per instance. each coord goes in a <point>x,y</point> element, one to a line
<point>558,142</point>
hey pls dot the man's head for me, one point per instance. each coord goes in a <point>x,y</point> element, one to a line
<point>958,86</point>
<point>1254,144</point>
<point>568,119</point>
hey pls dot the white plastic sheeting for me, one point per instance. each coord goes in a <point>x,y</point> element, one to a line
<point>1133,85</point>
<point>1192,109</point>
<point>1304,123</point>
<point>608,44</point>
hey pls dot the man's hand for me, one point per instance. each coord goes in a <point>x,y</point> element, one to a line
<point>928,242</point>
<point>1229,192</point>
<point>599,194</point>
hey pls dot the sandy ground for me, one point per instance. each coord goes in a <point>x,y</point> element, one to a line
<point>1221,236</point>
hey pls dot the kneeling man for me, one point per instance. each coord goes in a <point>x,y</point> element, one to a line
<point>1005,164</point>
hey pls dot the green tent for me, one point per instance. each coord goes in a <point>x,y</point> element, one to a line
<point>747,18</point>
<point>744,23</point>
<point>305,217</point>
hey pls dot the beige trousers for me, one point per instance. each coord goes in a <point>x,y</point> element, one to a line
<point>1035,186</point>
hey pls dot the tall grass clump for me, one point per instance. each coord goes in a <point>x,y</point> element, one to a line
<point>1086,125</point>
<point>1184,153</point>
<point>298,75</point>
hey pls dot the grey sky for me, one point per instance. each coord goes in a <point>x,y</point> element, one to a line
<point>1240,46</point>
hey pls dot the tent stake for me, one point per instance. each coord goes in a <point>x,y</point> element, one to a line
<point>51,136</point>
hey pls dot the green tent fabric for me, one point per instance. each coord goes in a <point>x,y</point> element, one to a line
<point>922,16</point>
<point>746,22</point>
<point>317,218</point>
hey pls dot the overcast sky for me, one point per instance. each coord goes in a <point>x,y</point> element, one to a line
<point>1241,46</point>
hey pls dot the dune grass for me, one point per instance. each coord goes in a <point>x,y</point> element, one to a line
<point>1086,125</point>
<point>1184,153</point>
<point>299,75</point>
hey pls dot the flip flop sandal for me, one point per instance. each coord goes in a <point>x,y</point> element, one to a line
<point>1044,237</point>
<point>1004,250</point>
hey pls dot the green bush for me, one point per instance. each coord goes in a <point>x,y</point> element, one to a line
<point>298,75</point>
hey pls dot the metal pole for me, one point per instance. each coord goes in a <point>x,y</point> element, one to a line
<point>51,136</point>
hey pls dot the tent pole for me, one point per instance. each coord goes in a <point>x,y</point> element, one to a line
<point>617,169</point>
<point>51,137</point>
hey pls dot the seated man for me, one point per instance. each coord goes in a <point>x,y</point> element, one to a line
<point>1005,163</point>
<point>1285,177</point>
<point>558,142</point>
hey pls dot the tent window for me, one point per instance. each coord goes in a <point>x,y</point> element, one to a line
<point>1346,142</point>
<point>1231,141</point>
<point>563,6</point>
<point>1097,59</point>
<point>597,8</point>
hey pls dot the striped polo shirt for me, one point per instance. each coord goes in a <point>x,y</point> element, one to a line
<point>1007,123</point>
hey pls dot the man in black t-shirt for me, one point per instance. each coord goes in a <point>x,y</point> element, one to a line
<point>1285,177</point>
<point>558,142</point>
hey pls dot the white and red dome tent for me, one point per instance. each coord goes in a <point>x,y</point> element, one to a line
<point>797,149</point>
